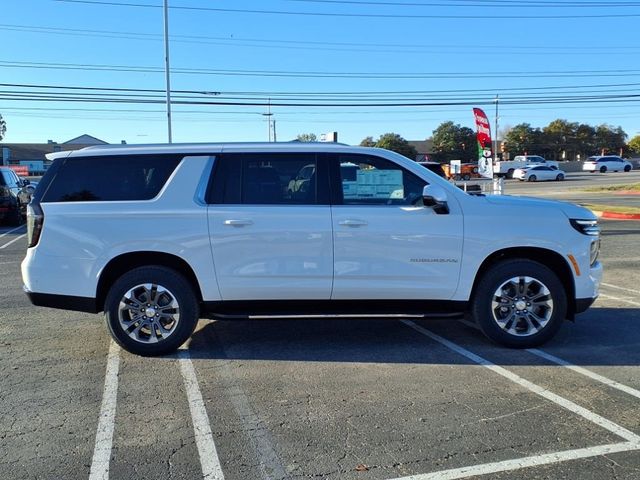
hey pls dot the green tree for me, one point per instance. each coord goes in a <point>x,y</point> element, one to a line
<point>395,143</point>
<point>585,140</point>
<point>634,145</point>
<point>609,139</point>
<point>523,138</point>
<point>451,141</point>
<point>307,137</point>
<point>559,136</point>
<point>3,127</point>
<point>368,142</point>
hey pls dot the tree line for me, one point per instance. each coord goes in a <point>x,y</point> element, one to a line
<point>559,140</point>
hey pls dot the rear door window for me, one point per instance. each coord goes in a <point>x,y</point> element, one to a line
<point>269,179</point>
<point>110,178</point>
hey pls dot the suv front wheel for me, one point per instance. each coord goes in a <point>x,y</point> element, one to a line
<point>519,303</point>
<point>151,310</point>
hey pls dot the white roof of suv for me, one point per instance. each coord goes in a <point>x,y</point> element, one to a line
<point>200,148</point>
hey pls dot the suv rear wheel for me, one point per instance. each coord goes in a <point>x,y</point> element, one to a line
<point>151,310</point>
<point>519,303</point>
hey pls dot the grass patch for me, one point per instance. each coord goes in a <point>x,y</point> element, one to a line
<point>633,187</point>
<point>611,208</point>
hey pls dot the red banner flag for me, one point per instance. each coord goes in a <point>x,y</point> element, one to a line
<point>483,128</point>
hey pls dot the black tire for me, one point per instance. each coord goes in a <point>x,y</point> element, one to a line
<point>466,177</point>
<point>627,168</point>
<point>179,289</point>
<point>532,178</point>
<point>494,279</point>
<point>510,173</point>
<point>559,177</point>
<point>603,169</point>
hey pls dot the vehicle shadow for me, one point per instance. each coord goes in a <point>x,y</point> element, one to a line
<point>600,336</point>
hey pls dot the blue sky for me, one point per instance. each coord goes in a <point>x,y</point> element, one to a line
<point>489,47</point>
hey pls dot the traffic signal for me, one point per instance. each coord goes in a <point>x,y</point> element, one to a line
<point>503,147</point>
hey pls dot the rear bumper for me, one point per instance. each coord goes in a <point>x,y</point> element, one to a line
<point>64,302</point>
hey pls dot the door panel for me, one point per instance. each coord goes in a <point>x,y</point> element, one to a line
<point>387,245</point>
<point>397,253</point>
<point>272,252</point>
<point>271,236</point>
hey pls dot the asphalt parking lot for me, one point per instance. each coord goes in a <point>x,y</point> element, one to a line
<point>409,399</point>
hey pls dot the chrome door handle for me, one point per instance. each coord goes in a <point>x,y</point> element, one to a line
<point>238,223</point>
<point>352,223</point>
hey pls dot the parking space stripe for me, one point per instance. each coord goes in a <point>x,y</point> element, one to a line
<point>269,463</point>
<point>632,443</point>
<point>611,297</point>
<point>12,241</point>
<point>585,372</point>
<point>575,368</point>
<point>532,387</point>
<point>106,423</point>
<point>10,231</point>
<point>211,468</point>
<point>518,463</point>
<point>620,288</point>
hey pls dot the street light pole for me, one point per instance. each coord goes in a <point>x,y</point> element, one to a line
<point>166,66</point>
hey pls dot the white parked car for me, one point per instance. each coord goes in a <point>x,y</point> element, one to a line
<point>538,173</point>
<point>159,236</point>
<point>608,163</point>
<point>506,168</point>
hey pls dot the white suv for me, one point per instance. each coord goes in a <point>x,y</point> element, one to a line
<point>159,236</point>
<point>605,164</point>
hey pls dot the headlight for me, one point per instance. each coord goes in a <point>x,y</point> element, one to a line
<point>586,227</point>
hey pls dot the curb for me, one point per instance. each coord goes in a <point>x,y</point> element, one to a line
<point>616,216</point>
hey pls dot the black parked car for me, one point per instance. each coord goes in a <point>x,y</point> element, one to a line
<point>14,197</point>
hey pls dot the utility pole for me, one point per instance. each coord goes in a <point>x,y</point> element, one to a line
<point>275,139</point>
<point>166,66</point>
<point>495,142</point>
<point>268,115</point>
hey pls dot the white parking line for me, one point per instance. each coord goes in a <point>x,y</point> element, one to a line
<point>624,300</point>
<point>518,463</point>
<point>10,231</point>
<point>633,440</point>
<point>582,371</point>
<point>211,469</point>
<point>106,423</point>
<point>269,463</point>
<point>585,372</point>
<point>12,241</point>
<point>620,288</point>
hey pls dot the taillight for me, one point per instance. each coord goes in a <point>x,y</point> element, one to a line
<point>35,220</point>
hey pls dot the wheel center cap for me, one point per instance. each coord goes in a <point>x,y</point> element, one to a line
<point>521,305</point>
<point>150,312</point>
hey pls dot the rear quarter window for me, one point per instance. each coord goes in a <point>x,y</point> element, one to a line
<point>110,178</point>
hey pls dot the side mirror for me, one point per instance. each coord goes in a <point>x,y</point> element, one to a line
<point>435,197</point>
<point>25,182</point>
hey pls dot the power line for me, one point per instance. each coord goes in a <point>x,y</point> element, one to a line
<point>478,3</point>
<point>589,49</point>
<point>286,103</point>
<point>350,15</point>
<point>609,86</point>
<point>320,74</point>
